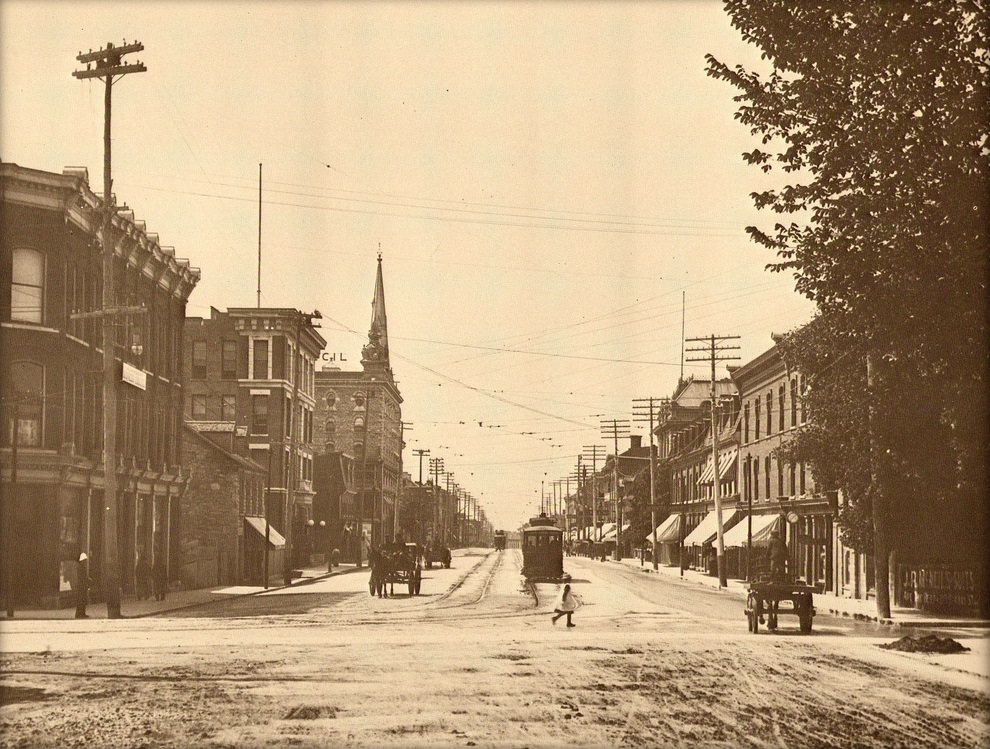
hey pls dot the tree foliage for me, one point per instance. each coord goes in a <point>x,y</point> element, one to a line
<point>876,114</point>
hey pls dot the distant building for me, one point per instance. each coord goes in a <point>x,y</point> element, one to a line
<point>51,444</point>
<point>249,375</point>
<point>359,414</point>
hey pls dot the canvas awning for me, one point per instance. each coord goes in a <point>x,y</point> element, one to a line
<point>274,537</point>
<point>669,531</point>
<point>599,535</point>
<point>726,459</point>
<point>764,528</point>
<point>611,533</point>
<point>707,529</point>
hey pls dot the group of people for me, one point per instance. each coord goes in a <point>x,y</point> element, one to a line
<point>148,580</point>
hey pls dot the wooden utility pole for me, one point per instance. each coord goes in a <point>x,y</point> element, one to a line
<point>715,352</point>
<point>592,451</point>
<point>654,404</point>
<point>616,428</point>
<point>106,64</point>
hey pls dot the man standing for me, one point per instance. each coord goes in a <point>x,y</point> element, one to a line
<point>82,586</point>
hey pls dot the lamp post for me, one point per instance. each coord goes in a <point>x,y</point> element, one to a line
<point>324,531</point>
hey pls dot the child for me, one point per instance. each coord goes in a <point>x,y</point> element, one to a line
<point>565,606</point>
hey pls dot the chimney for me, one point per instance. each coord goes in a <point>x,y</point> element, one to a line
<point>635,441</point>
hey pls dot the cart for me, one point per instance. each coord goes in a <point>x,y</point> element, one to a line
<point>767,599</point>
<point>402,568</point>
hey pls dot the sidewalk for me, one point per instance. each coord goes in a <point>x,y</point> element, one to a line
<point>825,603</point>
<point>132,608</point>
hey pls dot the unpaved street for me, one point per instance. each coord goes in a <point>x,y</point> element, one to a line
<point>475,661</point>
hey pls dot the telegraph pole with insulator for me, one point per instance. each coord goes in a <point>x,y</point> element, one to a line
<point>108,64</point>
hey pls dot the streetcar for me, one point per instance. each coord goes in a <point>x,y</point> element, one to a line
<point>543,551</point>
<point>499,540</point>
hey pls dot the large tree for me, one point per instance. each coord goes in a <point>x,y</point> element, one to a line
<point>876,113</point>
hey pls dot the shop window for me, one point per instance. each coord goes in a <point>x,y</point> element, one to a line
<point>27,286</point>
<point>27,380</point>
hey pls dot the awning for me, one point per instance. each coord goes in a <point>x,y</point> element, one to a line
<point>669,531</point>
<point>726,458</point>
<point>764,528</point>
<point>600,534</point>
<point>611,533</point>
<point>274,537</point>
<point>707,529</point>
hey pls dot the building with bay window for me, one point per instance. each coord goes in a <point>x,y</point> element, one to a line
<point>51,443</point>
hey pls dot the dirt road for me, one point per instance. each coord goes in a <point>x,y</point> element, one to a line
<point>475,661</point>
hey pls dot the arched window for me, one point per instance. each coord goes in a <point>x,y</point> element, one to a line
<point>331,398</point>
<point>27,383</point>
<point>27,286</point>
<point>359,423</point>
<point>359,400</point>
<point>330,427</point>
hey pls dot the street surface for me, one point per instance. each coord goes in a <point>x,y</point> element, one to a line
<point>475,661</point>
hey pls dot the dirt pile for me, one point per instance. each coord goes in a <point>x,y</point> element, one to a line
<point>926,644</point>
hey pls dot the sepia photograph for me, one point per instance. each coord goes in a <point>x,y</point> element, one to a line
<point>496,373</point>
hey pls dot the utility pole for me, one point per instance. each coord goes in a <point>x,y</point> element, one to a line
<point>616,428</point>
<point>108,64</point>
<point>403,426</point>
<point>444,521</point>
<point>654,404</point>
<point>436,468</point>
<point>716,352</point>
<point>594,452</point>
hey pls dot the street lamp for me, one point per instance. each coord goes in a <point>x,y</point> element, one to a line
<point>326,533</point>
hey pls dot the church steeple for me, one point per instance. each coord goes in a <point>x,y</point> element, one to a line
<point>374,355</point>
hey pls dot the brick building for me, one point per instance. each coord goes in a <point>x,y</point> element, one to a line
<point>51,445</point>
<point>359,414</point>
<point>250,374</point>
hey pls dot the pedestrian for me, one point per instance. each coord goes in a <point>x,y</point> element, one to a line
<point>777,552</point>
<point>565,605</point>
<point>82,586</point>
<point>159,577</point>
<point>142,578</point>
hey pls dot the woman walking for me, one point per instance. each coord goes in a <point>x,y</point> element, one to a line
<point>565,606</point>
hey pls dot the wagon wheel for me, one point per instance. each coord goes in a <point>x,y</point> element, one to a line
<point>804,616</point>
<point>371,587</point>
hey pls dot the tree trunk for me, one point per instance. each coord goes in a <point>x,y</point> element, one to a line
<point>878,503</point>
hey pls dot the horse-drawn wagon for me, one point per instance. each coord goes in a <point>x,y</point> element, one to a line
<point>396,564</point>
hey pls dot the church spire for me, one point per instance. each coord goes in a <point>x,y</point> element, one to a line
<point>374,356</point>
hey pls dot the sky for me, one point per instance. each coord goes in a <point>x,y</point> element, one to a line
<point>556,189</point>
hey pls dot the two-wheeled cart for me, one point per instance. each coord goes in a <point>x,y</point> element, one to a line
<point>768,598</point>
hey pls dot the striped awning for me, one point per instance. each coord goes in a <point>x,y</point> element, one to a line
<point>764,528</point>
<point>669,531</point>
<point>726,459</point>
<point>707,529</point>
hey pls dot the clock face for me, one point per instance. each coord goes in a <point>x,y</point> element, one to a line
<point>792,517</point>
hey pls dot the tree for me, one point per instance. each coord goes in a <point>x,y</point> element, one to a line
<point>877,112</point>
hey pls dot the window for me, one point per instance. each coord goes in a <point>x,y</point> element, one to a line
<point>260,359</point>
<point>27,380</point>
<point>259,414</point>
<point>769,413</point>
<point>802,478</point>
<point>794,399</point>
<point>27,286</point>
<point>780,479</point>
<point>228,360</point>
<point>756,478</point>
<point>199,360</point>
<point>756,421</point>
<point>780,402</point>
<point>746,423</point>
<point>198,406</point>
<point>359,424</point>
<point>331,398</point>
<point>766,474</point>
<point>228,407</point>
<point>793,486</point>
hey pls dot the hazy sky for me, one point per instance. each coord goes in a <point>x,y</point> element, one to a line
<point>545,181</point>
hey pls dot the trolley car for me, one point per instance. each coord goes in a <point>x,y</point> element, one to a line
<point>543,551</point>
<point>499,540</point>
